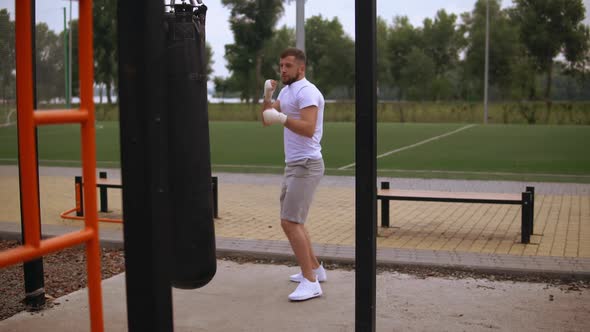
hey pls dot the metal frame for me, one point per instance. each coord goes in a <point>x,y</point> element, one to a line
<point>366,165</point>
<point>104,198</point>
<point>28,120</point>
<point>526,201</point>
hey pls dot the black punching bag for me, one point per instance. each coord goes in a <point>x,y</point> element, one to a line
<point>193,242</point>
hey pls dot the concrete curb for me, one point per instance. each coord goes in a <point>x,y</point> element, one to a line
<point>561,267</point>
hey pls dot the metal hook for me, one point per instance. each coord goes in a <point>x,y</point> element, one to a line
<point>173,2</point>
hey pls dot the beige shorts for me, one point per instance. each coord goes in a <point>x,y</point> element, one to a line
<point>299,184</point>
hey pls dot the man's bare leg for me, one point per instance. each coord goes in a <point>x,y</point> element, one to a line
<point>299,241</point>
<point>314,260</point>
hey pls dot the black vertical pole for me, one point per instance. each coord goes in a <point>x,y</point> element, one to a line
<point>104,198</point>
<point>33,270</point>
<point>366,170</point>
<point>144,164</point>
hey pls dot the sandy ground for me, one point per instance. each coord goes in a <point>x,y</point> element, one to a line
<point>253,297</point>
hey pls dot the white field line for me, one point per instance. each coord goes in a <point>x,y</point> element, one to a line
<point>7,123</point>
<point>433,171</point>
<point>482,173</point>
<point>338,169</point>
<point>414,145</point>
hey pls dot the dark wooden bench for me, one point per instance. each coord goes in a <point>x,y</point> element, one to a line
<point>525,199</point>
<point>103,184</point>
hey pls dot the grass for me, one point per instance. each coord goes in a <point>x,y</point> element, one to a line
<point>561,112</point>
<point>492,152</point>
<point>557,153</point>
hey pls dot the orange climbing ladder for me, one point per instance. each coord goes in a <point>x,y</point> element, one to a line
<point>28,120</point>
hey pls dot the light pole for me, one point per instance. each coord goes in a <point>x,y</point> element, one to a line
<point>300,25</point>
<point>66,61</point>
<point>70,58</point>
<point>487,61</point>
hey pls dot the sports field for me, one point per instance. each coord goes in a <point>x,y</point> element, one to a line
<point>463,151</point>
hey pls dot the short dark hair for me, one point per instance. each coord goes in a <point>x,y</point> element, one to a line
<point>297,53</point>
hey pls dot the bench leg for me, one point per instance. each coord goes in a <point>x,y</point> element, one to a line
<point>384,212</point>
<point>214,187</point>
<point>532,191</point>
<point>527,218</point>
<point>79,193</point>
<point>104,199</point>
<point>384,206</point>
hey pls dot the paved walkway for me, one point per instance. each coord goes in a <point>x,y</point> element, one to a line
<point>480,236</point>
<point>252,297</point>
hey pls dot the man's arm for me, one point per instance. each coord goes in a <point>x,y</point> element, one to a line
<point>306,125</point>
<point>271,113</point>
<point>269,105</point>
<point>269,88</point>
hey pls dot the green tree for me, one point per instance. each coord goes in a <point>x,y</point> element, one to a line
<point>221,86</point>
<point>550,27</point>
<point>442,41</point>
<point>281,39</point>
<point>504,47</point>
<point>7,54</point>
<point>523,76</point>
<point>330,54</point>
<point>418,75</point>
<point>383,65</point>
<point>403,37</point>
<point>105,44</point>
<point>49,63</point>
<point>209,60</point>
<point>252,23</point>
<point>74,60</point>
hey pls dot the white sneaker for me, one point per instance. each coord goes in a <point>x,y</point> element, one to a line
<point>306,290</point>
<point>320,273</point>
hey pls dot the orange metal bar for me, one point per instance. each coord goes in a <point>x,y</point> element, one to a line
<point>27,252</point>
<point>26,126</point>
<point>86,70</point>
<point>60,116</point>
<point>65,215</point>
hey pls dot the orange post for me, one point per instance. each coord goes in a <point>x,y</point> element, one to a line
<point>86,70</point>
<point>26,125</point>
<point>28,119</point>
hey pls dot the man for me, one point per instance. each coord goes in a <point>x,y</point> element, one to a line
<point>300,109</point>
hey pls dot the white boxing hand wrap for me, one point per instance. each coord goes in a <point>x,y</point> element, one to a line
<point>272,116</point>
<point>268,90</point>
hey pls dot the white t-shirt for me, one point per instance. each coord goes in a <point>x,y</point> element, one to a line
<point>293,98</point>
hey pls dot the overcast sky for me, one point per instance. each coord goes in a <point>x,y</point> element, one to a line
<point>219,33</point>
